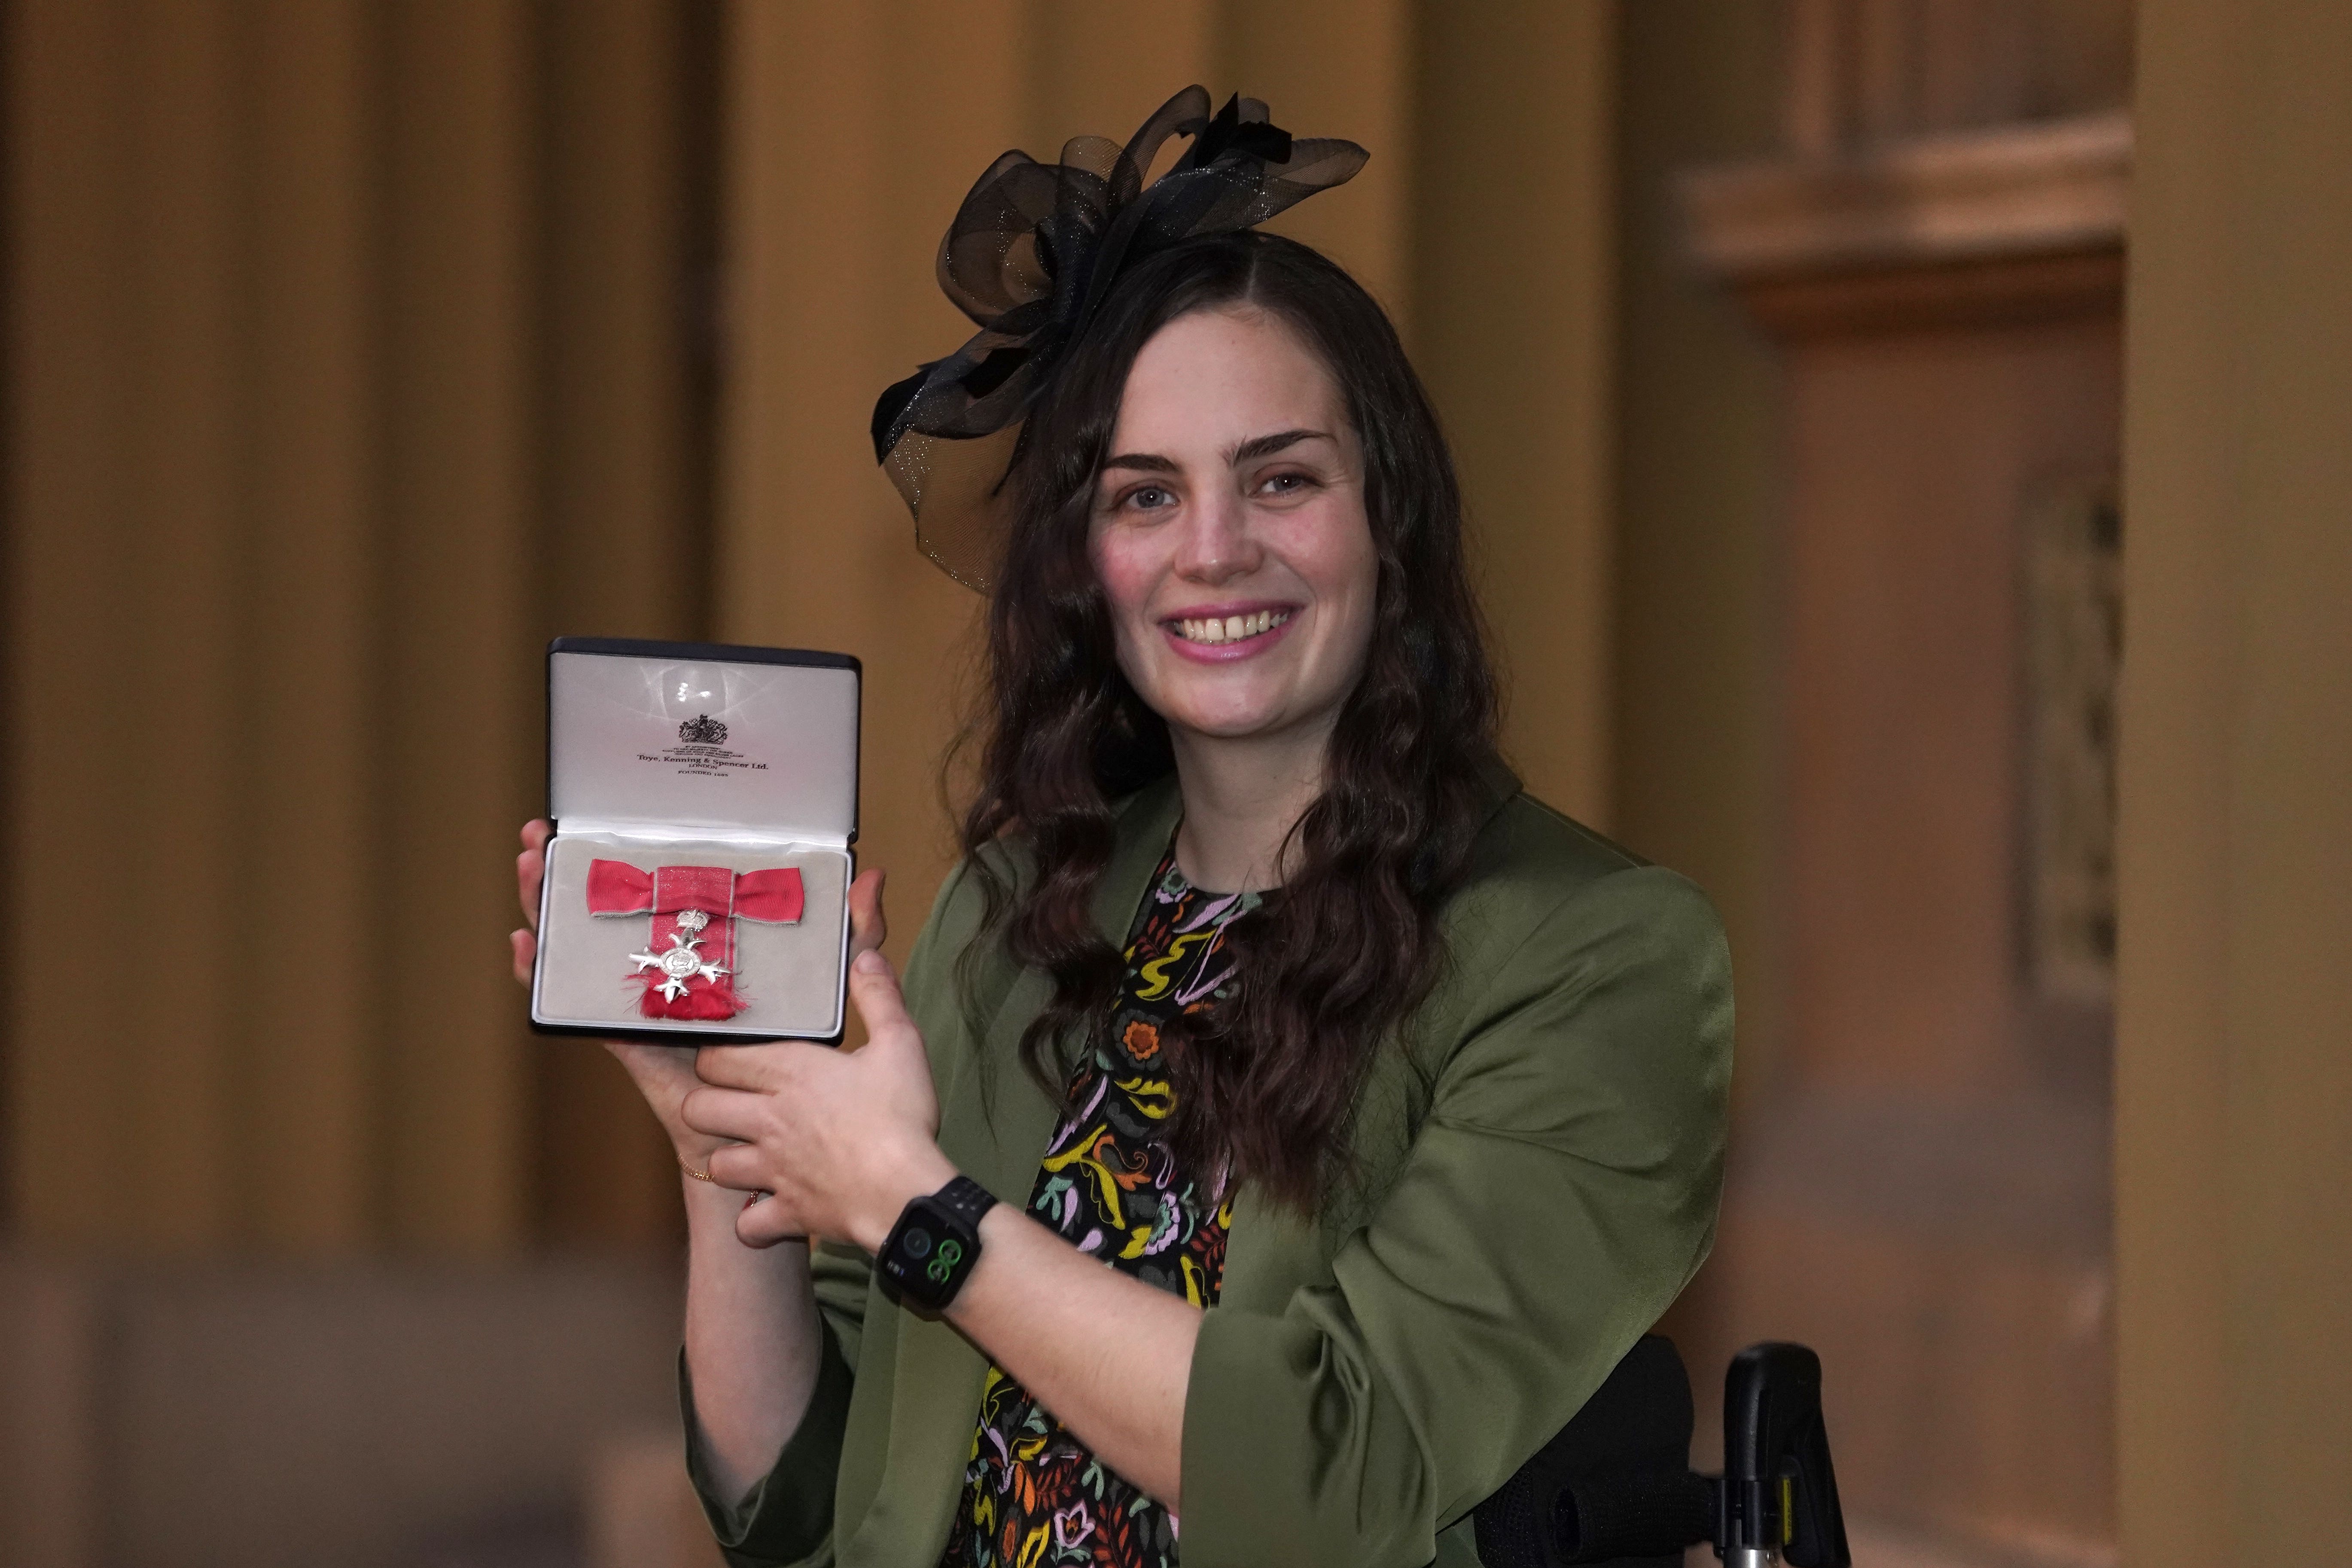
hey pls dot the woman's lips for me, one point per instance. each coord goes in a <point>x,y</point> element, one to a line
<point>1220,639</point>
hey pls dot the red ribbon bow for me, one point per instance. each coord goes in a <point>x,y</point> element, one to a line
<point>772,897</point>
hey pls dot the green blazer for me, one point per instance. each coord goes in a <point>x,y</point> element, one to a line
<point>1540,1170</point>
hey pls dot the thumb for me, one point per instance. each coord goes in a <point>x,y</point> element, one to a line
<point>894,1044</point>
<point>874,992</point>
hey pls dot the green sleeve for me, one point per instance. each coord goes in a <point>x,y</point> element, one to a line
<point>1559,1194</point>
<point>787,1517</point>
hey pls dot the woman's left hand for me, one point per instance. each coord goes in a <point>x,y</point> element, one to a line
<point>837,1141</point>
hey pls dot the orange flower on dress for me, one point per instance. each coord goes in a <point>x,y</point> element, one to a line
<point>1142,1040</point>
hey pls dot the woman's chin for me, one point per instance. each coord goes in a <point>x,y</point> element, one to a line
<point>1233,725</point>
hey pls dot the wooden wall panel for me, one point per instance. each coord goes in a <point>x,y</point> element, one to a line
<point>1914,1192</point>
<point>1918,459</point>
<point>1916,1183</point>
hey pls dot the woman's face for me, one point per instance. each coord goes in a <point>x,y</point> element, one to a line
<point>1230,533</point>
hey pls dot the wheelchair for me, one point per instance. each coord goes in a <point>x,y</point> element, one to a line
<point>1615,1490</point>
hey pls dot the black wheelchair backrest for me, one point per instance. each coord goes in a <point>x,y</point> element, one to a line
<point>1614,1489</point>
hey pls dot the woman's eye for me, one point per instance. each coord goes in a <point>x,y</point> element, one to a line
<point>1285,484</point>
<point>1151,498</point>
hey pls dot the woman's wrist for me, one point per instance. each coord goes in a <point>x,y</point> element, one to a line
<point>711,1210</point>
<point>925,1171</point>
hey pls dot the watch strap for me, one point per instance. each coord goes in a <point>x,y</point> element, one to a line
<point>966,1199</point>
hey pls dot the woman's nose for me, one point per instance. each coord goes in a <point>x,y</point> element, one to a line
<point>1218,543</point>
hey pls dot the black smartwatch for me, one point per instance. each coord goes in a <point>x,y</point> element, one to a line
<point>935,1245</point>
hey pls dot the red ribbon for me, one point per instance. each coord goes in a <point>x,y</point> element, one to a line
<point>772,897</point>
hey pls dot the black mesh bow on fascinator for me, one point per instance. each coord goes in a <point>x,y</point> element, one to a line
<point>1030,257</point>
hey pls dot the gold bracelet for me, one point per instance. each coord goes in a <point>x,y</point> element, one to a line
<point>698,1175</point>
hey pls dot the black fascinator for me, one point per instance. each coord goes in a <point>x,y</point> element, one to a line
<point>1030,257</point>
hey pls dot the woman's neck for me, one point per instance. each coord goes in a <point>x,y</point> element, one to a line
<point>1241,799</point>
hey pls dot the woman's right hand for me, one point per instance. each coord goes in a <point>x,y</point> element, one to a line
<point>663,1074</point>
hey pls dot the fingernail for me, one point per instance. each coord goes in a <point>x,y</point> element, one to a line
<point>869,962</point>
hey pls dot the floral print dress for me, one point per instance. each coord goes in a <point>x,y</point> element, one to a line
<point>1034,1496</point>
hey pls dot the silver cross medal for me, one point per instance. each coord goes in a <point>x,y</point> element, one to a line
<point>681,962</point>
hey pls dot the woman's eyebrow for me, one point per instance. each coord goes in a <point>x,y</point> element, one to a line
<point>1258,447</point>
<point>1149,462</point>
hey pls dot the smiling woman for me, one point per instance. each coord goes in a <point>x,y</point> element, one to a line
<point>1285,1123</point>
<point>1252,443</point>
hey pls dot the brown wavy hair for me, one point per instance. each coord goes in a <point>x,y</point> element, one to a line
<point>1334,963</point>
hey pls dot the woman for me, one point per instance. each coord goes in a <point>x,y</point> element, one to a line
<point>1391,1098</point>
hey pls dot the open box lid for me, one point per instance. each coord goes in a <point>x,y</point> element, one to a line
<point>660,740</point>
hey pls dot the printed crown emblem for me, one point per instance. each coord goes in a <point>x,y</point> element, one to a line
<point>702,729</point>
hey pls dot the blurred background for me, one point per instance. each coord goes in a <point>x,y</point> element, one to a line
<point>355,347</point>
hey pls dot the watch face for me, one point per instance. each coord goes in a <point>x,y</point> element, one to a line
<point>926,1257</point>
<point>937,1261</point>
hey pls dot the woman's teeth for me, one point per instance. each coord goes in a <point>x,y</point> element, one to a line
<point>1232,628</point>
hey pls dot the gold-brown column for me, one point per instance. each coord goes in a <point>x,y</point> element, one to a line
<point>459,715</point>
<point>308,1146</point>
<point>1513,314</point>
<point>2233,1082</point>
<point>124,641</point>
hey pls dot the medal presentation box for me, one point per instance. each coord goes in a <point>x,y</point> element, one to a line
<point>704,803</point>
